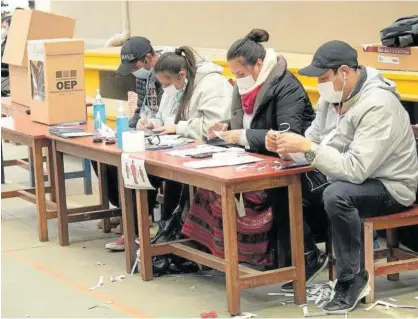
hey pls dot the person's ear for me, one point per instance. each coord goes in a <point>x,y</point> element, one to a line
<point>182,74</point>
<point>344,69</point>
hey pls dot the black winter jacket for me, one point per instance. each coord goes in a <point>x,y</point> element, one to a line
<point>281,99</point>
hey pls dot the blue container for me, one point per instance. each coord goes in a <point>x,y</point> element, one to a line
<point>99,111</point>
<point>122,125</point>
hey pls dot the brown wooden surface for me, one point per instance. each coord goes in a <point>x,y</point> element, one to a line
<point>144,235</point>
<point>126,203</point>
<point>296,238</point>
<point>227,174</point>
<point>229,221</point>
<point>61,198</point>
<point>21,130</point>
<point>103,194</point>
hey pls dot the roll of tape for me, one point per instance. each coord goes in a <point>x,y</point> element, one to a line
<point>133,141</point>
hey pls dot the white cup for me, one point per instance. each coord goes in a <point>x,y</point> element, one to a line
<point>133,141</point>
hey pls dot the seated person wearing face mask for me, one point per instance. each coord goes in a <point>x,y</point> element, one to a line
<point>139,58</point>
<point>363,150</point>
<point>195,95</point>
<point>266,96</point>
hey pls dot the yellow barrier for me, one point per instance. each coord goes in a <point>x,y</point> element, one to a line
<point>108,59</point>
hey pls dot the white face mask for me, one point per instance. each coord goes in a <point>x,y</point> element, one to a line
<point>245,83</point>
<point>142,73</point>
<point>328,93</point>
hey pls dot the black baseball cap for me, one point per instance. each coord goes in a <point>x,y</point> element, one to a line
<point>330,55</point>
<point>133,49</point>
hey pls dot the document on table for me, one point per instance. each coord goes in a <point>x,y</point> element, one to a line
<point>235,160</point>
<point>200,149</point>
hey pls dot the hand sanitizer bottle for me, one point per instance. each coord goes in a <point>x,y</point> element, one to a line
<point>122,124</point>
<point>98,110</point>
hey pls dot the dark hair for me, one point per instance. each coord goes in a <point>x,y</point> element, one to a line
<point>8,20</point>
<point>335,70</point>
<point>249,47</point>
<point>143,57</point>
<point>171,63</point>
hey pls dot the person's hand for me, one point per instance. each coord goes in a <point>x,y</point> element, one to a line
<point>141,124</point>
<point>271,141</point>
<point>231,137</point>
<point>132,103</point>
<point>292,143</point>
<point>166,129</point>
<point>217,127</point>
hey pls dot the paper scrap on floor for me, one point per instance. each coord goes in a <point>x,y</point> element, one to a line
<point>134,173</point>
<point>233,160</point>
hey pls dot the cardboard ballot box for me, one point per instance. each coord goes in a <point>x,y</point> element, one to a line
<point>30,25</point>
<point>56,80</point>
<point>388,58</point>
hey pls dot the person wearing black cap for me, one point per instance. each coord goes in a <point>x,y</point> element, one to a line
<point>363,151</point>
<point>139,58</point>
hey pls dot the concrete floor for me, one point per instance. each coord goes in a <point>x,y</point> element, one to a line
<point>46,280</point>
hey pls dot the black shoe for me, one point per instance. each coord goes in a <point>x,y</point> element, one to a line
<point>315,262</point>
<point>348,294</point>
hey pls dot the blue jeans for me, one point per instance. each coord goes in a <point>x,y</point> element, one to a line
<point>345,204</point>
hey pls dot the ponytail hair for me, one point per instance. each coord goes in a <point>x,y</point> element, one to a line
<point>249,47</point>
<point>171,63</point>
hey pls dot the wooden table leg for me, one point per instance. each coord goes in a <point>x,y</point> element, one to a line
<point>31,167</point>
<point>62,213</point>
<point>229,220</point>
<point>144,234</point>
<point>126,203</point>
<point>51,178</point>
<point>296,238</point>
<point>38,171</point>
<point>104,199</point>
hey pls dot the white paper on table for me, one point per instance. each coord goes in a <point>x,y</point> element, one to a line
<point>173,140</point>
<point>200,149</point>
<point>134,173</point>
<point>235,160</point>
<point>106,131</point>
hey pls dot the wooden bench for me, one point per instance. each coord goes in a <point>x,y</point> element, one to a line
<point>398,259</point>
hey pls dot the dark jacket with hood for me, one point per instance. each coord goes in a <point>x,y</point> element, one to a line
<point>281,99</point>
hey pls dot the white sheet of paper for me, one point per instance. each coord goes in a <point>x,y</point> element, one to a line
<point>200,149</point>
<point>134,173</point>
<point>76,134</point>
<point>237,160</point>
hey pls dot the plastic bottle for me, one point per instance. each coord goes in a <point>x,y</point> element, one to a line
<point>99,108</point>
<point>122,124</point>
<point>97,121</point>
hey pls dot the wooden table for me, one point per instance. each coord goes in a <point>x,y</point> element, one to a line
<point>21,130</point>
<point>103,154</point>
<point>10,108</point>
<point>226,181</point>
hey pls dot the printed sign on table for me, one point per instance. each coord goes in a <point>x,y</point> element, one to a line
<point>134,174</point>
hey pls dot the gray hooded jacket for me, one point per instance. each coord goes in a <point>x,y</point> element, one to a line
<point>371,139</point>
